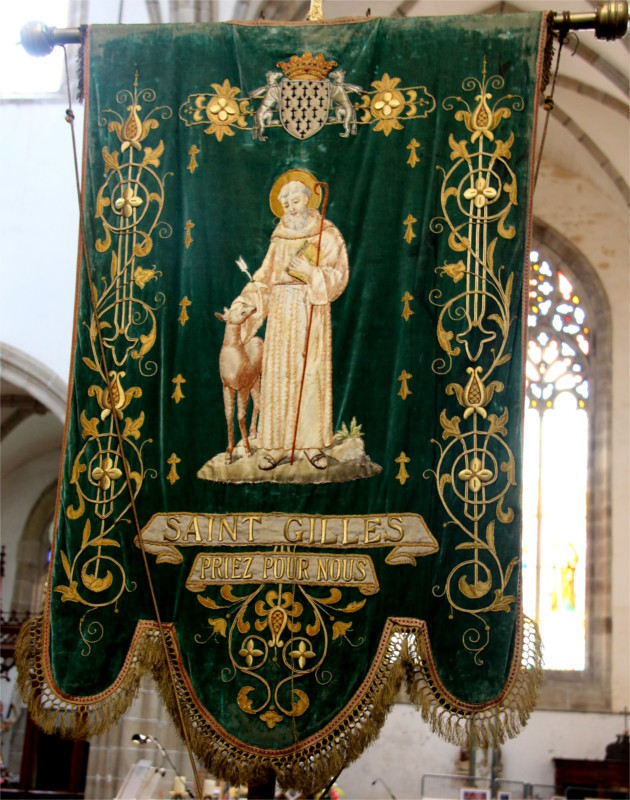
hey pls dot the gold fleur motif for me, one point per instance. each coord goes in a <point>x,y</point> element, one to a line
<point>127,202</point>
<point>172,476</point>
<point>387,104</point>
<point>403,475</point>
<point>480,193</point>
<point>404,379</point>
<point>270,718</point>
<point>106,473</point>
<point>222,110</point>
<point>249,652</point>
<point>302,653</point>
<point>406,312</point>
<point>475,475</point>
<point>178,395</point>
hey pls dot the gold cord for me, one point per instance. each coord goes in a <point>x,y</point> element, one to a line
<point>548,106</point>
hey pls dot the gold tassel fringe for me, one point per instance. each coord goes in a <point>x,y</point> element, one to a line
<point>304,766</point>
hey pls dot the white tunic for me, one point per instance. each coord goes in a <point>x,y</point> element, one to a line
<point>287,308</point>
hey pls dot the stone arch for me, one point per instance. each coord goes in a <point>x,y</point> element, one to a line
<point>591,689</point>
<point>32,555</point>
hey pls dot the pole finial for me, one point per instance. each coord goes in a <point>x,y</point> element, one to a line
<point>316,12</point>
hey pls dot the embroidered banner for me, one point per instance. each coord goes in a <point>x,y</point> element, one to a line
<point>297,388</point>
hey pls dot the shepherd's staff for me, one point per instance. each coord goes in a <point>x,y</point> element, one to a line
<point>310,316</point>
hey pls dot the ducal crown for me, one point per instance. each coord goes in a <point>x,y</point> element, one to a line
<point>307,67</point>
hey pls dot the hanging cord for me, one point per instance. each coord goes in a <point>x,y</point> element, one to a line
<point>548,102</point>
<point>92,293</point>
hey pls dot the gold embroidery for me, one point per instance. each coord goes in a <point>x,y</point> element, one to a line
<point>193,153</point>
<point>414,158</point>
<point>406,312</point>
<point>404,391</point>
<point>384,107</point>
<point>284,634</point>
<point>183,317</point>
<point>222,109</point>
<point>172,476</point>
<point>177,393</point>
<point>403,476</point>
<point>307,67</point>
<point>409,234</point>
<point>476,467</point>
<point>390,103</point>
<point>129,206</point>
<point>188,227</point>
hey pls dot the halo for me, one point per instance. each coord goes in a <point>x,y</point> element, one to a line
<point>307,178</point>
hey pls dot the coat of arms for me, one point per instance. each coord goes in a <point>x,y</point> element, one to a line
<point>304,97</point>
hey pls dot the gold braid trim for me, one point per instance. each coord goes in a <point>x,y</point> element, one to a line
<point>481,726</point>
<point>308,765</point>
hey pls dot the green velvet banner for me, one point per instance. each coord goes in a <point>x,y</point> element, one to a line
<point>297,387</point>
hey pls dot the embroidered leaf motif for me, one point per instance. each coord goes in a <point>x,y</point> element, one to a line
<point>132,427</point>
<point>90,428</point>
<point>66,563</point>
<point>340,629</point>
<point>298,707</point>
<point>95,584</point>
<point>218,626</point>
<point>90,364</point>
<point>226,594</point>
<point>244,703</point>
<point>497,424</point>
<point>114,267</point>
<point>208,602</point>
<point>454,271</point>
<point>142,276</point>
<point>504,516</point>
<point>501,602</point>
<point>508,289</point>
<point>352,607</point>
<point>242,625</point>
<point>334,597</point>
<point>148,341</point>
<point>152,156</point>
<point>110,159</point>
<point>503,148</point>
<point>102,541</point>
<point>144,247</point>
<point>313,628</point>
<point>476,544</point>
<point>450,427</point>
<point>490,535</point>
<point>509,570</point>
<point>458,149</point>
<point>69,594</point>
<point>473,591</point>
<point>510,469</point>
<point>86,534</point>
<point>458,391</point>
<point>444,338</point>
<point>446,478</point>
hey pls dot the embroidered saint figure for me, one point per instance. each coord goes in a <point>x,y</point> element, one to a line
<point>290,283</point>
<point>303,272</point>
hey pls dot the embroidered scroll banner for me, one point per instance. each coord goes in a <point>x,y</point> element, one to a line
<point>297,388</point>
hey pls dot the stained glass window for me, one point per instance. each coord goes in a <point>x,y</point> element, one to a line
<point>556,464</point>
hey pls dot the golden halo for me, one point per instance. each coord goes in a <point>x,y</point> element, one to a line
<point>307,178</point>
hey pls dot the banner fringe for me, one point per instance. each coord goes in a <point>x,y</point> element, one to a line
<point>306,766</point>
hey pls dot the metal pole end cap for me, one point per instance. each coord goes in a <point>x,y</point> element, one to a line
<point>612,20</point>
<point>36,38</point>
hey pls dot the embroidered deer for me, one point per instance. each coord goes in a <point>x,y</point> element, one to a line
<point>240,366</point>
